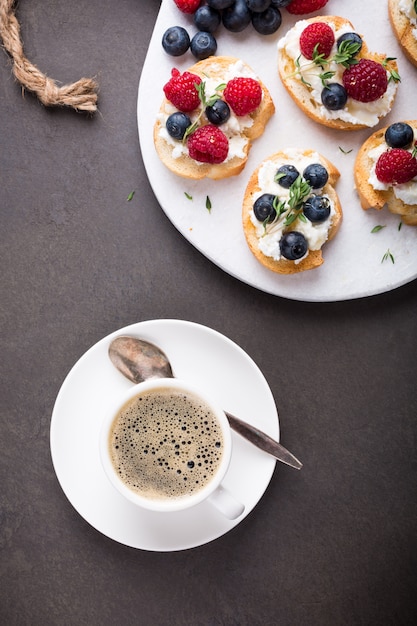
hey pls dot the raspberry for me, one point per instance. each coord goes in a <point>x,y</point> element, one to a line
<point>300,7</point>
<point>181,90</point>
<point>187,6</point>
<point>208,144</point>
<point>396,166</point>
<point>366,81</point>
<point>243,94</point>
<point>317,34</point>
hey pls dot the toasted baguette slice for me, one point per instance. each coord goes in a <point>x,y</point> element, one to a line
<point>403,30</point>
<point>302,93</point>
<point>253,190</point>
<point>373,198</point>
<point>217,68</point>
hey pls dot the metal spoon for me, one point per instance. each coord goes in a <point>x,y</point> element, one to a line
<point>141,360</point>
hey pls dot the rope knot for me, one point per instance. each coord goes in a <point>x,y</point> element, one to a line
<point>81,95</point>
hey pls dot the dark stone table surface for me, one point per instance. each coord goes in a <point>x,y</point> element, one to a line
<point>332,545</point>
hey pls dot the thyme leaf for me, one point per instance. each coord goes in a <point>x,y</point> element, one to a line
<point>376,229</point>
<point>345,151</point>
<point>317,57</point>
<point>205,102</point>
<point>130,196</point>
<point>299,190</point>
<point>291,217</point>
<point>201,90</point>
<point>388,255</point>
<point>187,195</point>
<point>345,55</point>
<point>393,74</point>
<point>279,206</point>
<point>346,52</point>
<point>325,77</point>
<point>298,71</point>
<point>208,204</point>
<point>189,131</point>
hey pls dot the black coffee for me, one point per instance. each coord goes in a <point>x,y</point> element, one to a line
<point>166,444</point>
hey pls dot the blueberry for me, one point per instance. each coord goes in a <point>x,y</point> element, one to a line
<point>218,113</point>
<point>176,41</point>
<point>293,245</point>
<point>207,19</point>
<point>317,208</point>
<point>399,135</point>
<point>280,4</point>
<point>267,22</point>
<point>237,17</point>
<point>316,175</point>
<point>220,4</point>
<point>264,208</point>
<point>258,6</point>
<point>203,45</point>
<point>351,38</point>
<point>286,175</point>
<point>334,96</point>
<point>177,124</point>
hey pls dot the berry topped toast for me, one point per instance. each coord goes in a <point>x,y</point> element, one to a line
<point>327,69</point>
<point>386,171</point>
<point>403,18</point>
<point>290,209</point>
<point>209,118</point>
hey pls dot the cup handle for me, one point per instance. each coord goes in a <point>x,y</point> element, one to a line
<point>227,504</point>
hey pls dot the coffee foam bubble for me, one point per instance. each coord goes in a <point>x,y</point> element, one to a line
<point>166,444</point>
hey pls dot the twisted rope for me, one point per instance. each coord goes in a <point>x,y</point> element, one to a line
<point>81,95</point>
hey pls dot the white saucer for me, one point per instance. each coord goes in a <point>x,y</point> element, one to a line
<point>200,355</point>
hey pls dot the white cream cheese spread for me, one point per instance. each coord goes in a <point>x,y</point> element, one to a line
<point>269,235</point>
<point>234,127</point>
<point>407,7</point>
<point>354,112</point>
<point>407,192</point>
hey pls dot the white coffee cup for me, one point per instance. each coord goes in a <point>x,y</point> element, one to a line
<point>168,461</point>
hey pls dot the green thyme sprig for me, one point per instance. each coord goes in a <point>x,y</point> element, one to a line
<point>345,56</point>
<point>346,53</point>
<point>208,102</point>
<point>393,74</point>
<point>298,193</point>
<point>388,255</point>
<point>280,207</point>
<point>205,102</point>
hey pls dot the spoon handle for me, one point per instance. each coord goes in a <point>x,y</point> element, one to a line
<point>263,441</point>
